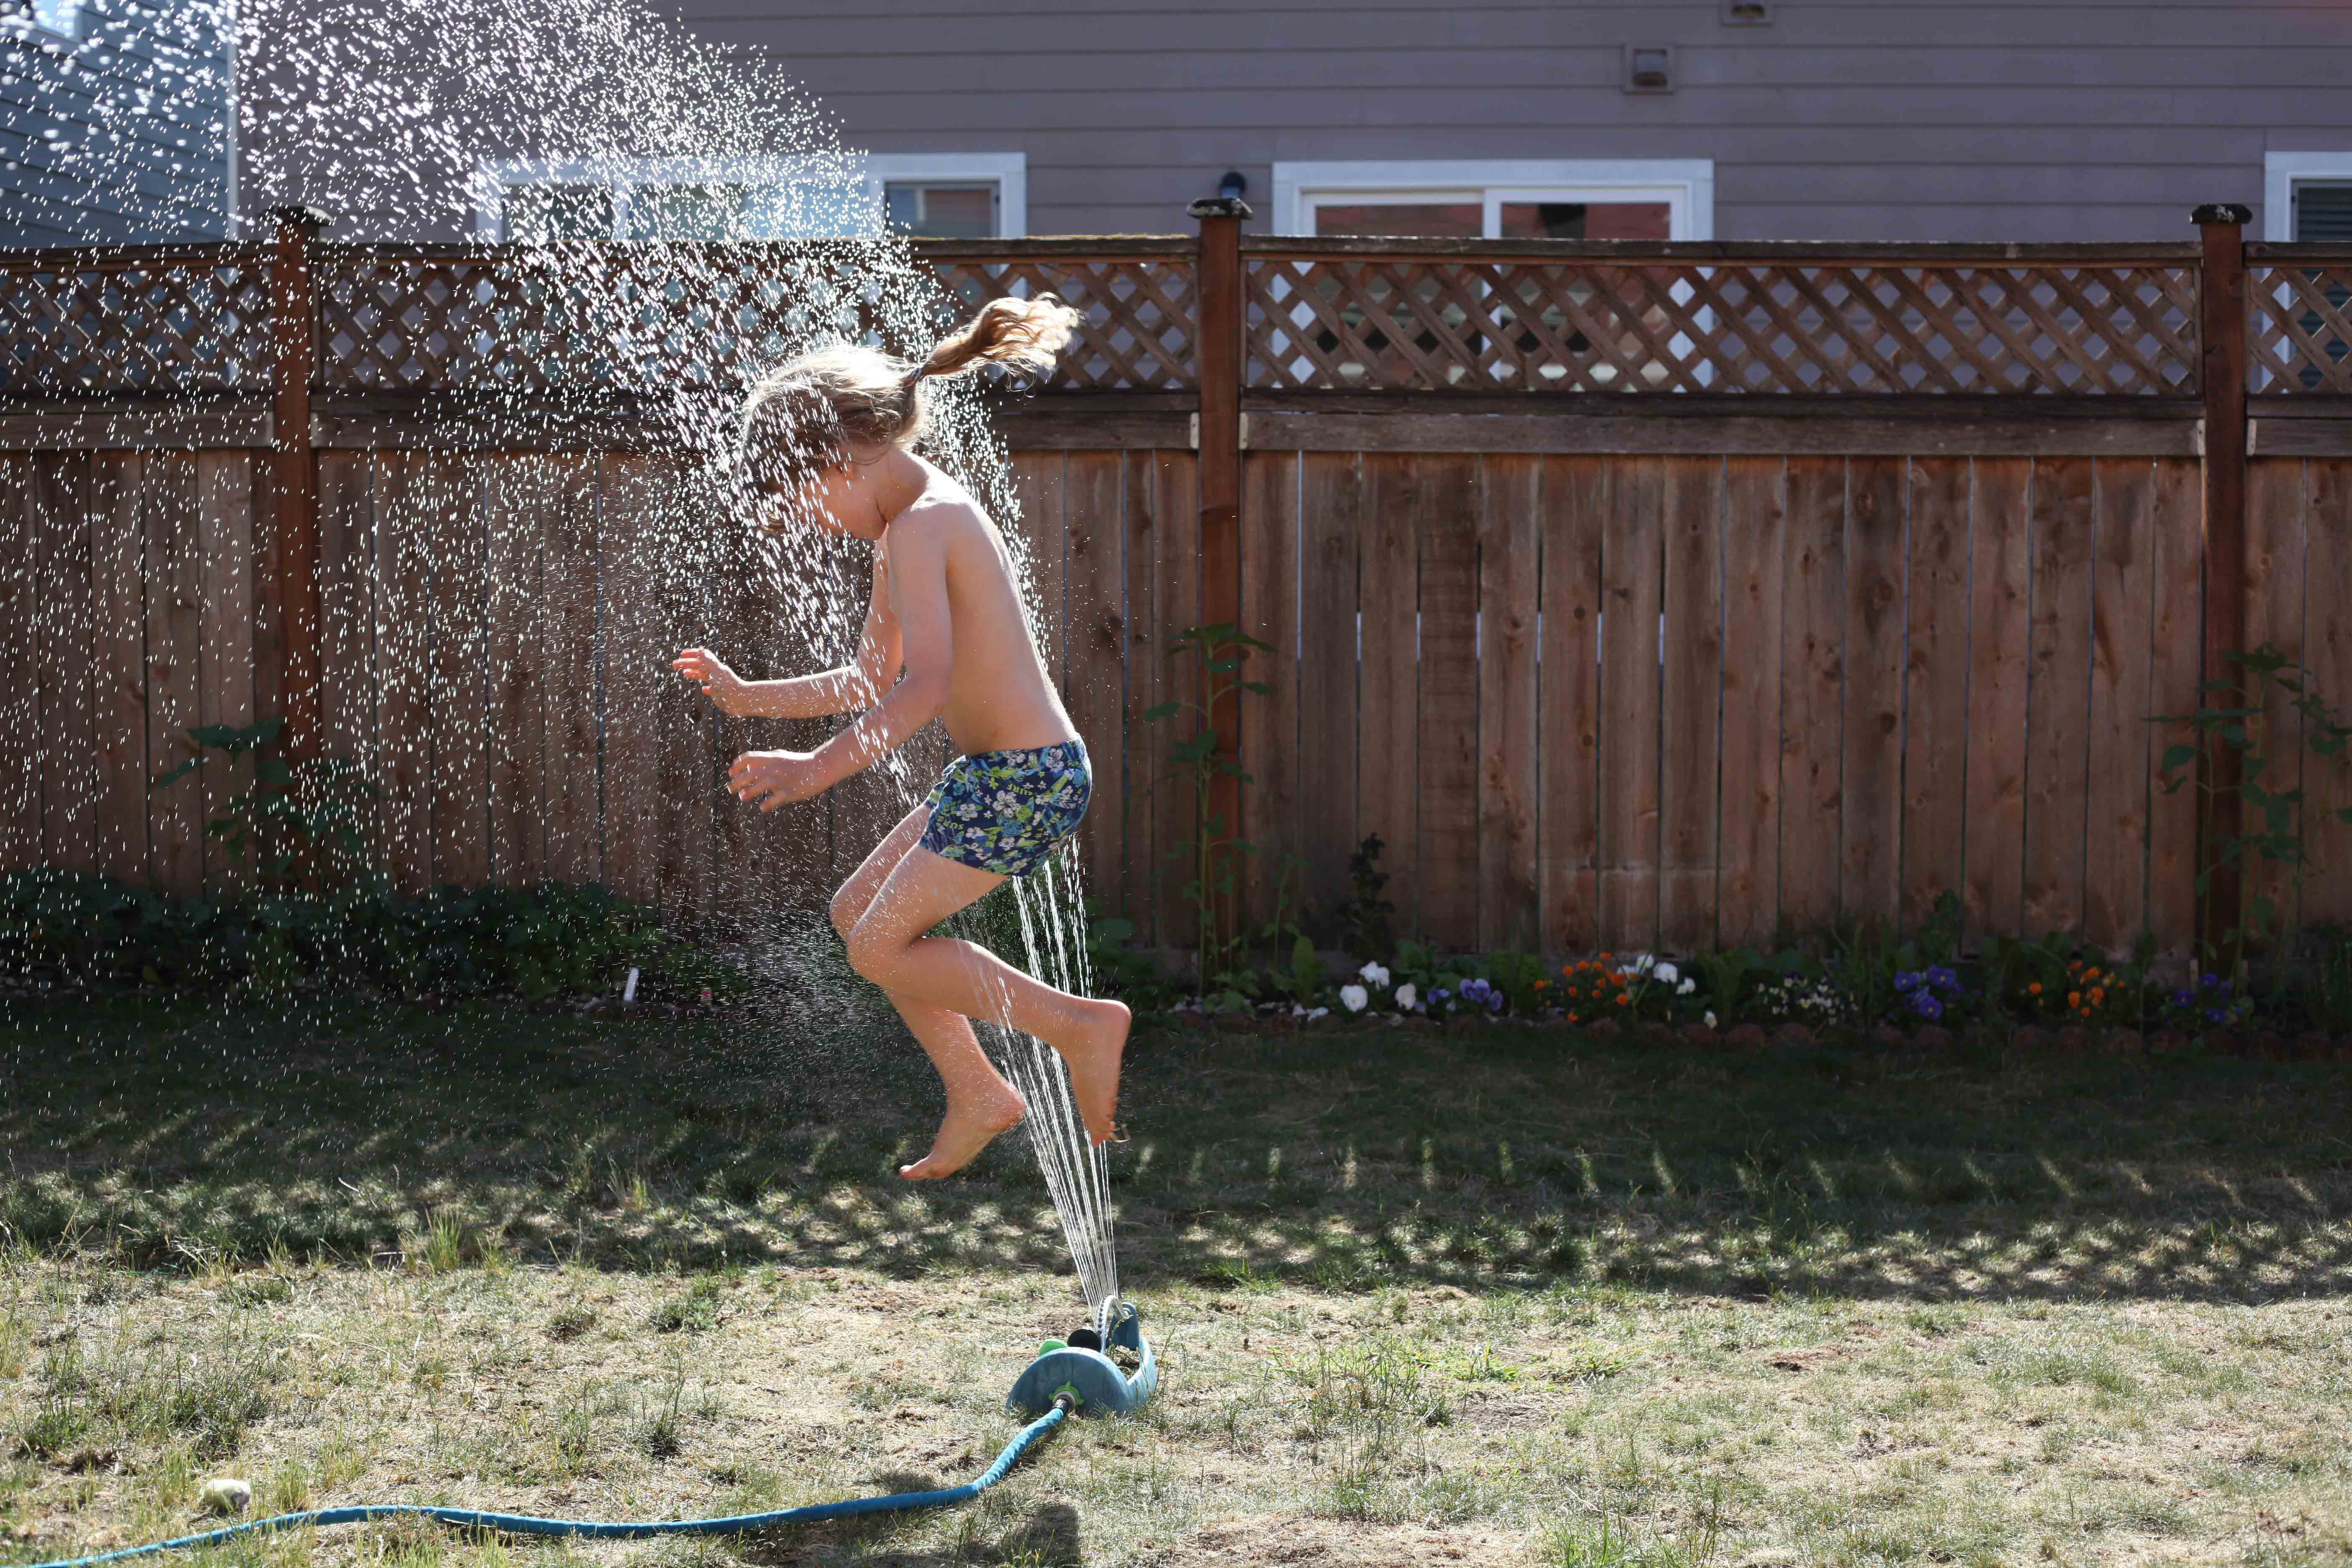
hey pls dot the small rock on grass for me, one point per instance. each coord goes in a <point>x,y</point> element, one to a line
<point>1793,1035</point>
<point>1933,1037</point>
<point>1746,1037</point>
<point>2029,1039</point>
<point>225,1494</point>
<point>1699,1034</point>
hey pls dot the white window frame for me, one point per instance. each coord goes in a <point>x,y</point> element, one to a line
<point>867,174</point>
<point>1686,185</point>
<point>2281,171</point>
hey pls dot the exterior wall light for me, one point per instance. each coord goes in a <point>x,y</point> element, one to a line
<point>1649,69</point>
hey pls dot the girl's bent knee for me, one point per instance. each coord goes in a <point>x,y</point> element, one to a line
<point>870,951</point>
<point>846,911</point>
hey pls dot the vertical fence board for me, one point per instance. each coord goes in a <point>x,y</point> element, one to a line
<point>118,663</point>
<point>1038,480</point>
<point>2057,693</point>
<point>20,667</point>
<point>771,861</point>
<point>66,733</point>
<point>1176,607</point>
<point>404,638</point>
<point>1390,768</point>
<point>1631,589</point>
<point>2327,652</point>
<point>225,665</point>
<point>1510,540</point>
<point>1446,740</point>
<point>1935,687</point>
<point>1870,833</point>
<point>2177,614</point>
<point>1754,525</point>
<point>1812,684</point>
<point>2114,874</point>
<point>568,748</point>
<point>459,811</point>
<point>677,611</point>
<point>1575,500</point>
<point>515,509</point>
<point>627,651</point>
<point>1332,519</point>
<point>2275,495</point>
<point>1097,689</point>
<point>1131,477</point>
<point>1269,737</point>
<point>1999,635</point>
<point>347,664</point>
<point>175,815</point>
<point>1691,659</point>
<point>269,585</point>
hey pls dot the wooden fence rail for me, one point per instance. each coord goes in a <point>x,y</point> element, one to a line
<point>1636,596</point>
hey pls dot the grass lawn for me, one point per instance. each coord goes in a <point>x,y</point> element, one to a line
<point>1495,1296</point>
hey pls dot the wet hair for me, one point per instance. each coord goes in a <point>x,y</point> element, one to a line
<point>823,407</point>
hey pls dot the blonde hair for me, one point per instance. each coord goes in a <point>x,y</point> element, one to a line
<point>814,411</point>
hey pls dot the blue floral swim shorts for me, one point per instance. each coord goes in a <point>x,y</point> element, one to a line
<point>1006,811</point>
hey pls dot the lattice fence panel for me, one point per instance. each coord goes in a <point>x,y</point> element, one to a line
<point>1378,323</point>
<point>2299,329</point>
<point>663,316</point>
<point>85,323</point>
<point>1138,325</point>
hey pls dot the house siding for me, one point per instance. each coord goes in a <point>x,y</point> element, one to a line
<point>1895,119</point>
<point>153,93</point>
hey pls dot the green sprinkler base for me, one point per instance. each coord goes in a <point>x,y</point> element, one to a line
<point>1098,1385</point>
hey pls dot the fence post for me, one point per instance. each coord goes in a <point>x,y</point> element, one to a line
<point>1217,366</point>
<point>294,471</point>
<point>2222,375</point>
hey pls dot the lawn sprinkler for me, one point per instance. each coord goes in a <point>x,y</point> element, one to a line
<point>1082,1369</point>
<point>1079,1375</point>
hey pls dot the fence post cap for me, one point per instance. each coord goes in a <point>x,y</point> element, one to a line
<point>1219,206</point>
<point>2223,212</point>
<point>308,216</point>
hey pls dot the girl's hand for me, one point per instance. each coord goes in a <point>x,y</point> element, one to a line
<point>770,779</point>
<point>728,691</point>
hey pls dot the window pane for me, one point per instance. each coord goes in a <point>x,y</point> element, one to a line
<point>1587,220</point>
<point>542,215</point>
<point>941,211</point>
<point>1416,220</point>
<point>2323,213</point>
<point>698,211</point>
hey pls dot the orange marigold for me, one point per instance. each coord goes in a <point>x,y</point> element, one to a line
<point>2073,998</point>
<point>2098,994</point>
<point>2034,989</point>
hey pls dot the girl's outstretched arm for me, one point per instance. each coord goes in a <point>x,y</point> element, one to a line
<point>924,635</point>
<point>852,688</point>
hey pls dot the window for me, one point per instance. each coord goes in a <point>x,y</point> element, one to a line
<point>2308,196</point>
<point>953,195</point>
<point>61,17</point>
<point>1627,199</point>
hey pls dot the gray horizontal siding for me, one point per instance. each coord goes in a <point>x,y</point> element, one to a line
<point>1899,119</point>
<point>121,137</point>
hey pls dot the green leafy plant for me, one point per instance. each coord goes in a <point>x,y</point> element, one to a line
<point>2233,716</point>
<point>298,820</point>
<point>1210,860</point>
<point>1364,916</point>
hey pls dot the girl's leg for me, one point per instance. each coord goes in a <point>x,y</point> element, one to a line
<point>887,946</point>
<point>980,1104</point>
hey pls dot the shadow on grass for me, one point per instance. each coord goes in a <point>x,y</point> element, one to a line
<point>1049,1535</point>
<point>172,1136</point>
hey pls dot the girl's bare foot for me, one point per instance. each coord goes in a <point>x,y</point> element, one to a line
<point>970,1123</point>
<point>1091,1050</point>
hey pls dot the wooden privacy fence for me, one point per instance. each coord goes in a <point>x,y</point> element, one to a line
<point>1635,595</point>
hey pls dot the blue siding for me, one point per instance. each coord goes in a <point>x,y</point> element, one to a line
<point>120,132</point>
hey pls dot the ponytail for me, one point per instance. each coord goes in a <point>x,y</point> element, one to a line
<point>813,411</point>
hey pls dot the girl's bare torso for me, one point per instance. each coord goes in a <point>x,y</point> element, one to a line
<point>999,695</point>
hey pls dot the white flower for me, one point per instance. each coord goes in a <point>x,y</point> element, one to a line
<point>1354,996</point>
<point>1408,998</point>
<point>1710,1020</point>
<point>1667,973</point>
<point>1373,975</point>
<point>1643,963</point>
<point>1687,988</point>
<point>1318,1013</point>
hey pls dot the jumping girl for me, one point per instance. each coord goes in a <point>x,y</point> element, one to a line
<point>826,442</point>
